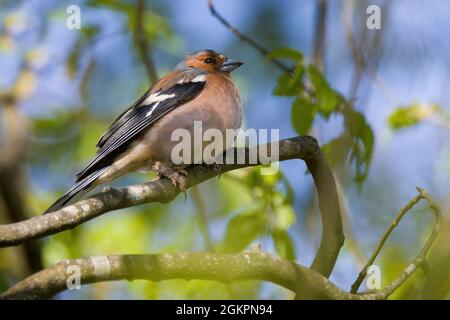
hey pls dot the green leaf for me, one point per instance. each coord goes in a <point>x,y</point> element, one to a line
<point>290,194</point>
<point>287,53</point>
<point>410,115</point>
<point>363,141</point>
<point>327,98</point>
<point>283,244</point>
<point>157,27</point>
<point>368,139</point>
<point>242,230</point>
<point>285,217</point>
<point>302,115</point>
<point>290,85</point>
<point>336,151</point>
<point>360,129</point>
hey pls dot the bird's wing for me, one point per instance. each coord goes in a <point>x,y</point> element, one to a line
<point>169,93</point>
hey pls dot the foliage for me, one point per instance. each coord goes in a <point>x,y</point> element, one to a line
<point>410,115</point>
<point>313,97</point>
<point>270,213</point>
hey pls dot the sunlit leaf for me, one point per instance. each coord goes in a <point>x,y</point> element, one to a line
<point>303,113</point>
<point>25,84</point>
<point>285,217</point>
<point>336,150</point>
<point>410,115</point>
<point>327,98</point>
<point>283,244</point>
<point>287,53</point>
<point>242,230</point>
<point>289,85</point>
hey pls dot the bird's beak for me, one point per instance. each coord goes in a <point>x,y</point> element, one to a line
<point>230,65</point>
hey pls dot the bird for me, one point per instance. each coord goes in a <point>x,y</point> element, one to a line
<point>199,88</point>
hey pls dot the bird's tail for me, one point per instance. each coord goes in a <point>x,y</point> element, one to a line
<point>77,191</point>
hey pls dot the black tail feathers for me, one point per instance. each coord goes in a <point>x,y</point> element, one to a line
<point>78,189</point>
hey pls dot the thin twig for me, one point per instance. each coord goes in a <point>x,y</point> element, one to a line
<point>419,260</point>
<point>162,190</point>
<point>320,33</point>
<point>264,51</point>
<point>361,64</point>
<point>142,43</point>
<point>252,264</point>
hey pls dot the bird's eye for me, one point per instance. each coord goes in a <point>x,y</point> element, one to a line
<point>208,60</point>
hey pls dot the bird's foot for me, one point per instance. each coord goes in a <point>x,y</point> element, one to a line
<point>217,169</point>
<point>176,175</point>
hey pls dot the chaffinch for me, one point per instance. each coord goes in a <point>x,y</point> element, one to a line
<point>198,89</point>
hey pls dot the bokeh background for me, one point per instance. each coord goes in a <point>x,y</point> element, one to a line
<point>60,88</point>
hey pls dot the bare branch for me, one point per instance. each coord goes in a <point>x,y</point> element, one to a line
<point>142,42</point>
<point>419,260</point>
<point>264,51</point>
<point>226,268</point>
<point>12,179</point>
<point>304,147</point>
<point>320,33</point>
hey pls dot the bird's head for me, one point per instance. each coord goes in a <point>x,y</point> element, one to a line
<point>210,61</point>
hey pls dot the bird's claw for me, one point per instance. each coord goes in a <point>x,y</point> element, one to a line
<point>176,176</point>
<point>218,169</point>
<point>178,179</point>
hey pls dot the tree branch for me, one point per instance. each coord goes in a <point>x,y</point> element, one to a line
<point>207,266</point>
<point>264,51</point>
<point>420,259</point>
<point>254,264</point>
<point>249,265</point>
<point>304,147</point>
<point>142,43</point>
<point>12,178</point>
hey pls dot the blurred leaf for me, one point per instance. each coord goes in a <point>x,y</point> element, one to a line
<point>234,193</point>
<point>283,244</point>
<point>368,140</point>
<point>54,251</point>
<point>359,128</point>
<point>25,84</point>
<point>270,179</point>
<point>363,142</point>
<point>7,44</point>
<point>74,57</point>
<point>157,26</point>
<point>59,125</point>
<point>287,53</point>
<point>410,115</point>
<point>110,236</point>
<point>337,150</point>
<point>290,194</point>
<point>327,98</point>
<point>285,217</point>
<point>242,230</point>
<point>290,85</point>
<point>303,113</point>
